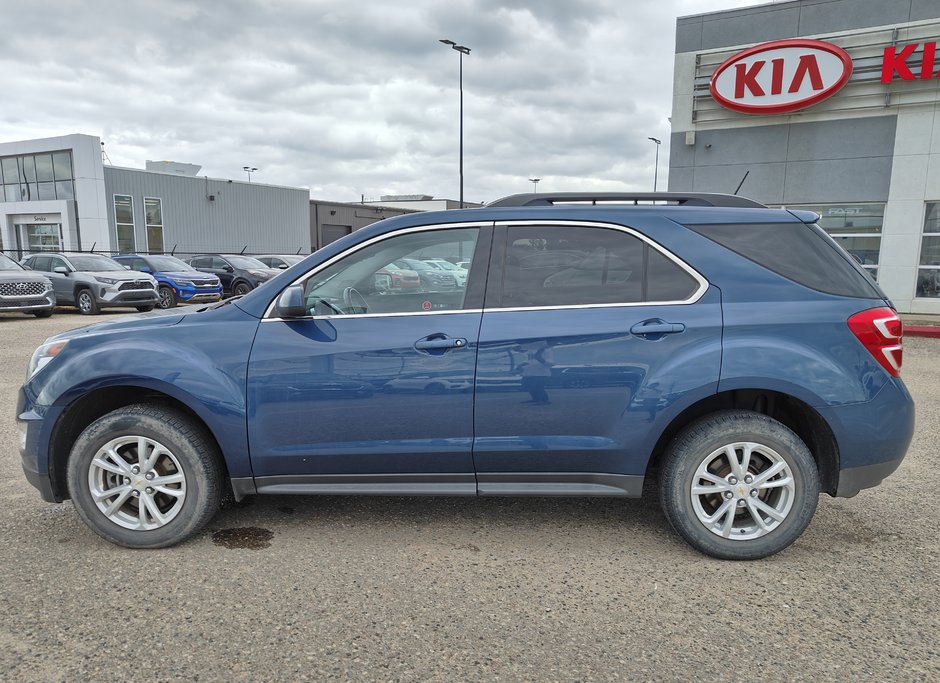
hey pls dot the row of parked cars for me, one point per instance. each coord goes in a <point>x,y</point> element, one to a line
<point>91,282</point>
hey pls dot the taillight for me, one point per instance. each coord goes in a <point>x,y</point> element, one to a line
<point>880,331</point>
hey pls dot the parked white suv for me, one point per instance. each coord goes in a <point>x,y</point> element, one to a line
<point>21,290</point>
<point>91,282</point>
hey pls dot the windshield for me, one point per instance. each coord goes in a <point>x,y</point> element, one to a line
<point>245,262</point>
<point>169,264</point>
<point>7,263</point>
<point>94,263</point>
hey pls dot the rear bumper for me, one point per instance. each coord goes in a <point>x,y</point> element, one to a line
<point>873,437</point>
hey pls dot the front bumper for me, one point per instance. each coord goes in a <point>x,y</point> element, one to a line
<point>33,442</point>
<point>110,296</point>
<point>45,302</point>
<point>202,294</point>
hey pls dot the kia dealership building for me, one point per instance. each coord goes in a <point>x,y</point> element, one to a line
<point>827,105</point>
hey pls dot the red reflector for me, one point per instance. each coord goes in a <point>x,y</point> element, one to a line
<point>881,332</point>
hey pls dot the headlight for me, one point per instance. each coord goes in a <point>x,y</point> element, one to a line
<point>44,355</point>
<point>183,283</point>
<point>105,280</point>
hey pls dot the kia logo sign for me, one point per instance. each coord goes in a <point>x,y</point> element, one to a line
<point>781,76</point>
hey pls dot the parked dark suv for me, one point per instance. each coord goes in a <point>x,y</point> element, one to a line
<point>731,353</point>
<point>239,274</point>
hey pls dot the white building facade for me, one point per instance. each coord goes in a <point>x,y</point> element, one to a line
<point>863,153</point>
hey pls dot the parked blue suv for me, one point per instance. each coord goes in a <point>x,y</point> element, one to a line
<point>177,281</point>
<point>730,353</point>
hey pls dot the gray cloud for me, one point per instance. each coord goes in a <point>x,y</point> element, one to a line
<point>354,99</point>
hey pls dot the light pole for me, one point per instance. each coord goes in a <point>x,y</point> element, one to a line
<point>535,184</point>
<point>656,167</point>
<point>249,170</point>
<point>463,50</point>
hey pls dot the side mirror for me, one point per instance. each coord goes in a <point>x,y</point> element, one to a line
<point>228,269</point>
<point>61,270</point>
<point>143,269</point>
<point>290,304</point>
<point>283,266</point>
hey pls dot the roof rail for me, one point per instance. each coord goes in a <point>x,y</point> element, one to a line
<point>678,198</point>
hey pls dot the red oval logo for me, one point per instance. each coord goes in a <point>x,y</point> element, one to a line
<point>781,76</point>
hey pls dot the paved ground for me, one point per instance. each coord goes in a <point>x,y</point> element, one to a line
<point>460,589</point>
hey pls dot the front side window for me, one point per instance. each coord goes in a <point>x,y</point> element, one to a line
<point>578,265</point>
<point>928,272</point>
<point>153,213</point>
<point>124,220</point>
<point>392,276</point>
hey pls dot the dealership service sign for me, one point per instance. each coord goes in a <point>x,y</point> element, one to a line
<point>781,76</point>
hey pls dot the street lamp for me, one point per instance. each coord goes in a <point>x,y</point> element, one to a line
<point>656,167</point>
<point>463,50</point>
<point>535,184</point>
<point>249,170</point>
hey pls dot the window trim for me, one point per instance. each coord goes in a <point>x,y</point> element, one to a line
<point>269,311</point>
<point>703,284</point>
<point>920,251</point>
<point>693,298</point>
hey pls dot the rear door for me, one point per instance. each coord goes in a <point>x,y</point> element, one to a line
<point>592,337</point>
<point>372,391</point>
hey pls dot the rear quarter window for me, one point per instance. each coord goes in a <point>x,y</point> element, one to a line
<point>799,252</point>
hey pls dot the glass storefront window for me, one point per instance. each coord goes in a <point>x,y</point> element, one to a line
<point>46,190</point>
<point>62,164</point>
<point>43,237</point>
<point>928,274</point>
<point>64,190</point>
<point>855,227</point>
<point>37,176</point>
<point>44,172</point>
<point>10,172</point>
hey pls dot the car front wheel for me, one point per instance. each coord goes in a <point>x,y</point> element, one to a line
<point>739,485</point>
<point>241,289</point>
<point>86,302</point>
<point>167,298</point>
<point>145,476</point>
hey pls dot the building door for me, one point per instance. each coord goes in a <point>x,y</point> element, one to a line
<point>331,233</point>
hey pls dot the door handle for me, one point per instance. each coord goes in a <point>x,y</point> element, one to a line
<point>439,343</point>
<point>659,327</point>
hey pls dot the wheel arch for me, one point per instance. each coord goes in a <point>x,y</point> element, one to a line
<point>794,413</point>
<point>82,410</point>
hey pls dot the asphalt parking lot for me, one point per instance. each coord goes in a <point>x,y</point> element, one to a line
<point>295,588</point>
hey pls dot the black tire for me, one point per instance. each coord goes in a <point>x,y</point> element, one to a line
<point>241,289</point>
<point>145,309</point>
<point>737,534</point>
<point>167,298</point>
<point>43,314</point>
<point>193,454</point>
<point>86,302</point>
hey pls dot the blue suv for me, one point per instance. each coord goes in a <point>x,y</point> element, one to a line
<point>731,354</point>
<point>177,281</point>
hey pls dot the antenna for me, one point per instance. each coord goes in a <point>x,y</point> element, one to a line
<point>738,189</point>
<point>243,249</point>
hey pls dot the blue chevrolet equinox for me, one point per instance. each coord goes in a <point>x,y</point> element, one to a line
<point>731,354</point>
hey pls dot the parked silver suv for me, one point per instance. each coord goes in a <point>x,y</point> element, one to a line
<point>21,290</point>
<point>92,282</point>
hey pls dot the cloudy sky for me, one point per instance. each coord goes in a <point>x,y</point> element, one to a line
<point>357,97</point>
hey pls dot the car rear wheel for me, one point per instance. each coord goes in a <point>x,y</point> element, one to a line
<point>145,476</point>
<point>241,289</point>
<point>86,302</point>
<point>739,485</point>
<point>167,298</point>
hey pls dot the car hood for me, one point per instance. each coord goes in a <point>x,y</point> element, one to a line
<point>22,276</point>
<point>155,319</point>
<point>189,275</point>
<point>117,274</point>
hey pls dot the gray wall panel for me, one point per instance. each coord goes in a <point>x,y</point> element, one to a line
<point>680,154</point>
<point>845,139</point>
<point>838,180</point>
<point>680,179</point>
<point>793,19</point>
<point>840,15</point>
<point>259,218</point>
<point>754,25</point>
<point>741,146</point>
<point>764,181</point>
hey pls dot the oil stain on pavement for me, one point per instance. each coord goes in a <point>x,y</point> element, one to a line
<point>243,538</point>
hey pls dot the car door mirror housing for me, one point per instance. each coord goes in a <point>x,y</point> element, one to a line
<point>228,269</point>
<point>290,304</point>
<point>61,269</point>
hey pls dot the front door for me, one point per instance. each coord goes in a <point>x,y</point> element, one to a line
<point>372,391</point>
<point>590,336</point>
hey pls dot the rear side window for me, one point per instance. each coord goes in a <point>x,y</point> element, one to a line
<point>578,265</point>
<point>797,251</point>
